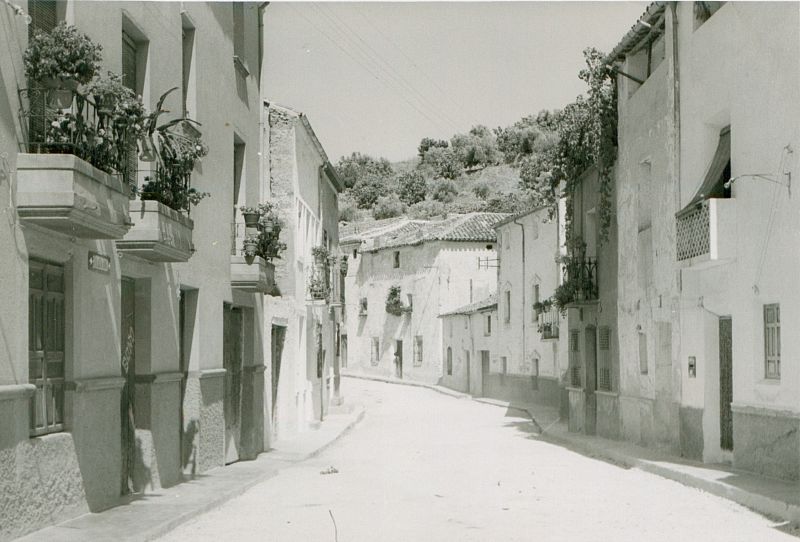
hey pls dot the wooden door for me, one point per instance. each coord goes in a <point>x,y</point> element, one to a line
<point>590,370</point>
<point>278,337</point>
<point>725,383</point>
<point>398,358</point>
<point>232,362</point>
<point>128,371</point>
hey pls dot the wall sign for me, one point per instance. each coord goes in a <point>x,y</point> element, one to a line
<point>99,262</point>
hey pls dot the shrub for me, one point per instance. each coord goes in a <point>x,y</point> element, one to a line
<point>481,190</point>
<point>388,207</point>
<point>444,191</point>
<point>413,187</point>
<point>65,53</point>
<point>367,191</point>
<point>348,210</point>
<point>443,162</point>
<point>425,210</point>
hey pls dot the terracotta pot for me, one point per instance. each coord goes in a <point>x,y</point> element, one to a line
<point>250,249</point>
<point>250,220</point>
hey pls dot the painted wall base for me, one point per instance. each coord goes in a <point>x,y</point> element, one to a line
<point>691,433</point>
<point>528,389</point>
<point>607,415</point>
<point>766,442</point>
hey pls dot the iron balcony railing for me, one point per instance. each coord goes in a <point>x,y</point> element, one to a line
<point>693,232</point>
<point>78,127</point>
<point>580,273</point>
<point>547,322</point>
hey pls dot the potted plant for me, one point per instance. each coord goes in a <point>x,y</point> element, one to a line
<point>343,265</point>
<point>316,287</point>
<point>394,305</point>
<point>250,245</point>
<point>251,216</point>
<point>61,60</point>
<point>320,254</point>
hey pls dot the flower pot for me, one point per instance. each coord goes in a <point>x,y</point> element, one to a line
<point>250,220</point>
<point>267,225</point>
<point>60,98</point>
<point>250,249</point>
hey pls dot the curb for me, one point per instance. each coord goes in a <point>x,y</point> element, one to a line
<point>762,504</point>
<point>439,389</point>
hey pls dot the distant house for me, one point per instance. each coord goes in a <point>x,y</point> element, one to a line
<point>530,359</point>
<point>429,267</point>
<point>469,336</point>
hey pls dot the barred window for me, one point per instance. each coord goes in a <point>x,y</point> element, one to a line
<point>449,361</point>
<point>604,369</point>
<point>487,325</point>
<point>46,332</point>
<point>772,341</point>
<point>417,350</point>
<point>375,354</point>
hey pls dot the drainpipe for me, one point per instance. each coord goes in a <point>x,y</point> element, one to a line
<point>522,229</point>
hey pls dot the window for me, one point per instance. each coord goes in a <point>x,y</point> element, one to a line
<point>46,333</point>
<point>536,300</point>
<point>396,262</point>
<point>487,325</point>
<point>449,361</point>
<point>362,307</point>
<point>417,350</point>
<point>355,253</point>
<point>772,341</point>
<point>375,354</point>
<point>604,365</point>
<point>410,301</point>
<point>643,353</point>
<point>574,358</point>
<point>507,305</point>
<point>134,63</point>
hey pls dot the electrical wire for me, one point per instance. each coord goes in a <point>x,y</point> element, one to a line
<point>362,66</point>
<point>389,69</point>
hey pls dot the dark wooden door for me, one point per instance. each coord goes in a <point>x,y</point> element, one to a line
<point>590,386</point>
<point>398,358</point>
<point>128,371</point>
<point>232,362</point>
<point>725,383</point>
<point>278,337</point>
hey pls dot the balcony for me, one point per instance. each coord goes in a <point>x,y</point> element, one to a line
<point>73,178</point>
<point>548,322</point>
<point>63,193</point>
<point>251,274</point>
<point>158,234</point>
<point>579,285</point>
<point>706,233</point>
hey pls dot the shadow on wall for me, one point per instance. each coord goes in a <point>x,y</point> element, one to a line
<point>189,447</point>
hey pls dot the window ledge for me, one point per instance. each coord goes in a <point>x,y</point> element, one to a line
<point>241,65</point>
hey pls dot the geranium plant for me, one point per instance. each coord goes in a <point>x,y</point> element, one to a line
<point>65,56</point>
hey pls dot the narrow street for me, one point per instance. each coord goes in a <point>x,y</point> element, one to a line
<point>425,466</point>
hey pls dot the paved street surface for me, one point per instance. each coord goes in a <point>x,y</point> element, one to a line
<point>429,467</point>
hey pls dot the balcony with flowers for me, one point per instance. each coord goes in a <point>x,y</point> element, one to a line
<point>255,242</point>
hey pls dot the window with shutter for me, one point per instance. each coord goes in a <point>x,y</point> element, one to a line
<point>604,365</point>
<point>772,341</point>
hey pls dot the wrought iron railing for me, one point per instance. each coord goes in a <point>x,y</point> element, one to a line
<point>693,231</point>
<point>77,127</point>
<point>580,273</point>
<point>547,322</point>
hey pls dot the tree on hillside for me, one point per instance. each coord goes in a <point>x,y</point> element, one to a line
<point>412,187</point>
<point>527,136</point>
<point>348,210</point>
<point>442,162</point>
<point>428,143</point>
<point>368,189</point>
<point>388,207</point>
<point>478,148</point>
<point>444,190</point>
<point>425,210</point>
<point>357,166</point>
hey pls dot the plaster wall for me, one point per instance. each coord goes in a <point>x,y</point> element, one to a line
<point>307,202</point>
<point>92,416</point>
<point>752,86</point>
<point>648,296</point>
<point>467,335</point>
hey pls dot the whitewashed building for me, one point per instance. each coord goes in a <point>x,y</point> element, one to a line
<point>469,338</point>
<point>435,266</point>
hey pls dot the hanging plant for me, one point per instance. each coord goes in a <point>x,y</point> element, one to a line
<point>394,303</point>
<point>320,254</point>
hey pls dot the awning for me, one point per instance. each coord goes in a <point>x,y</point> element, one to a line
<point>712,186</point>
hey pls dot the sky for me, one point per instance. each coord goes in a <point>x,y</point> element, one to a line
<point>378,77</point>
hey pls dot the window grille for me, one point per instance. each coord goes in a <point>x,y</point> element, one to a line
<point>772,341</point>
<point>693,232</point>
<point>418,351</point>
<point>604,368</point>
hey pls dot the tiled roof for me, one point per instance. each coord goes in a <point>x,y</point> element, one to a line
<point>475,227</point>
<point>356,231</point>
<point>484,304</point>
<point>637,31</point>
